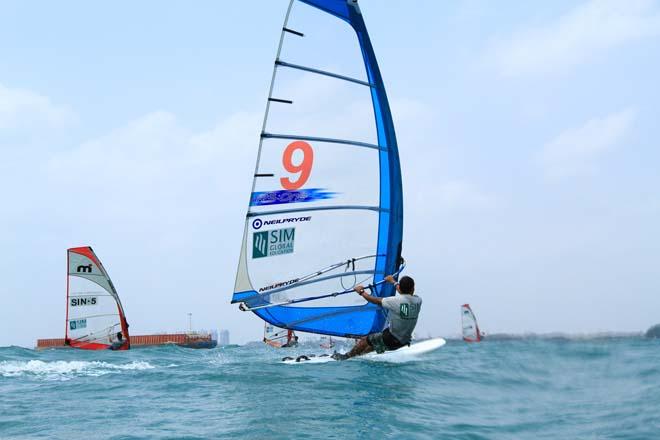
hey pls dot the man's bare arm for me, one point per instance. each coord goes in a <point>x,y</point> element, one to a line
<point>373,299</point>
<point>363,293</point>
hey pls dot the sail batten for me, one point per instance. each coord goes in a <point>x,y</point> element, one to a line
<point>283,101</point>
<point>322,139</point>
<point>322,72</point>
<point>319,208</point>
<point>332,194</point>
<point>305,283</point>
<point>294,32</point>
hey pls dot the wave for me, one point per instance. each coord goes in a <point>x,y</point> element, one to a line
<point>66,370</point>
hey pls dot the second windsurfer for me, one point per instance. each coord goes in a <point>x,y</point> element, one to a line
<point>117,344</point>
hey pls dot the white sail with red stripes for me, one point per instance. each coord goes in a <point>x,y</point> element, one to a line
<point>327,342</point>
<point>277,337</point>
<point>95,318</point>
<point>471,332</point>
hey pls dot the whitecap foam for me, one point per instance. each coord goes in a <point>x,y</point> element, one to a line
<point>65,370</point>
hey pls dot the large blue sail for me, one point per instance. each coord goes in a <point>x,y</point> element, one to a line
<point>326,209</point>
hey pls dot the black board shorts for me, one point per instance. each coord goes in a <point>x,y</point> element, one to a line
<point>383,341</point>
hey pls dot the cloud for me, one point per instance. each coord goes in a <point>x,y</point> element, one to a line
<point>451,195</point>
<point>156,170</point>
<point>24,109</point>
<point>594,26</point>
<point>457,193</point>
<point>574,150</point>
<point>163,205</point>
<point>426,184</point>
<point>323,106</point>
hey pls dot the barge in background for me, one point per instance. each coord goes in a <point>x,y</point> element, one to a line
<point>188,340</point>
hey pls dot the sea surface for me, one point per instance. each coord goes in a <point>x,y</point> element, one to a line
<point>526,388</point>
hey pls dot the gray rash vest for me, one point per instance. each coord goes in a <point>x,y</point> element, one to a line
<point>403,313</point>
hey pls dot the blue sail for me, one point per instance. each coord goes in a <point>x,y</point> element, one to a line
<point>303,253</point>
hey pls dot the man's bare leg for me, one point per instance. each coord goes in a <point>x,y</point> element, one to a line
<point>360,348</point>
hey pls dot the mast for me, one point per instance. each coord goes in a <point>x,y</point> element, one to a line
<point>66,322</point>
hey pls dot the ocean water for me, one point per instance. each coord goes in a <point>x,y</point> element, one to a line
<point>508,389</point>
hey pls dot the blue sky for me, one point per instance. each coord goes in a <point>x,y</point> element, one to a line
<point>528,135</point>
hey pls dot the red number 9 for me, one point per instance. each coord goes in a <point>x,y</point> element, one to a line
<point>304,167</point>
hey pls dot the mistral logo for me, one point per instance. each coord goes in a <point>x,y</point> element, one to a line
<point>84,269</point>
<point>271,243</point>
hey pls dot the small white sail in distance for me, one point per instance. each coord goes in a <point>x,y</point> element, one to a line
<point>95,317</point>
<point>471,332</point>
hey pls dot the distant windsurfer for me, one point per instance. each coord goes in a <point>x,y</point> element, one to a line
<point>292,342</point>
<point>403,313</point>
<point>116,345</point>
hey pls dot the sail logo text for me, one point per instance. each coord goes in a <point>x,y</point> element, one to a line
<point>84,269</point>
<point>271,243</point>
<point>84,301</point>
<point>278,285</point>
<point>408,311</point>
<point>258,223</point>
<point>77,324</point>
<point>285,196</point>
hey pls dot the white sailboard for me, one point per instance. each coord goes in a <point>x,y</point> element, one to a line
<point>403,354</point>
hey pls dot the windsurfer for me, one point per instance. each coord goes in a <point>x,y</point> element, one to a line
<point>403,313</point>
<point>116,345</point>
<point>291,343</point>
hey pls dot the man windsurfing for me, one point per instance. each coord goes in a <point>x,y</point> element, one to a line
<point>403,311</point>
<point>118,343</point>
<point>292,340</point>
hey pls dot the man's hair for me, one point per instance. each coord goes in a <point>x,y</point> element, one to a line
<point>407,285</point>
